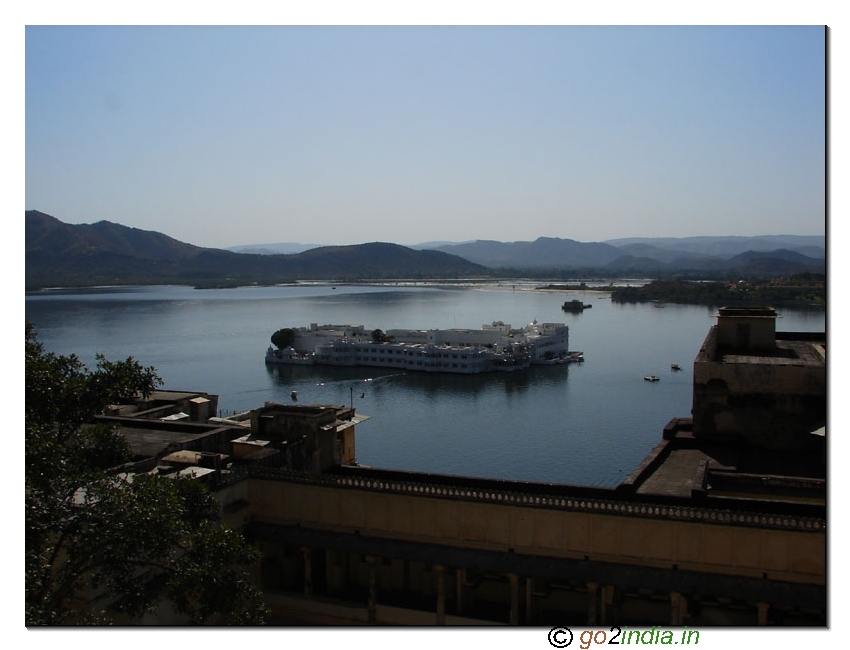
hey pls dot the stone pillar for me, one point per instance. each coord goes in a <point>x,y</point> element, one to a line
<point>460,579</point>
<point>514,579</point>
<point>592,603</point>
<point>762,613</point>
<point>440,573</point>
<point>372,605</point>
<point>329,570</point>
<point>332,571</point>
<point>308,570</point>
<point>678,608</point>
<point>605,603</point>
<point>529,602</point>
<point>406,575</point>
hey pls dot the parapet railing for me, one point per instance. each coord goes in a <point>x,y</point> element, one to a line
<point>593,501</point>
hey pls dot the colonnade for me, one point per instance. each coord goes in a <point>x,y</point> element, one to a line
<point>526,596</point>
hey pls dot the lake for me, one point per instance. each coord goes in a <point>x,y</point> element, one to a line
<point>587,424</point>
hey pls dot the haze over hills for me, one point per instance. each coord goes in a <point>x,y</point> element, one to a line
<point>282,248</point>
<point>60,254</point>
<point>646,255</point>
<point>288,248</point>
<point>544,252</point>
<point>810,245</point>
<point>549,252</point>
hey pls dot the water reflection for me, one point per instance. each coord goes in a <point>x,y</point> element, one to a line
<point>434,386</point>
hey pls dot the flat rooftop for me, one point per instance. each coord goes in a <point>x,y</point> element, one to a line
<point>149,443</point>
<point>174,395</point>
<point>682,471</point>
<point>791,348</point>
<point>786,352</point>
<point>678,467</point>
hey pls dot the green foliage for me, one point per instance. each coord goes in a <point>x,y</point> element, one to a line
<point>804,288</point>
<point>283,338</point>
<point>62,393</point>
<point>96,536</point>
<point>378,336</point>
<point>208,581</point>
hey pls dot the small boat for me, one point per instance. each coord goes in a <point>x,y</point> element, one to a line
<point>651,378</point>
<point>575,306</point>
<point>675,366</point>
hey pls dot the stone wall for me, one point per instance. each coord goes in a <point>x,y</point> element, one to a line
<point>696,539</point>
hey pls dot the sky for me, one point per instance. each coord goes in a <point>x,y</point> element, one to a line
<point>227,135</point>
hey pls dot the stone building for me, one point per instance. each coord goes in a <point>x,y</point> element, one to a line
<point>758,386</point>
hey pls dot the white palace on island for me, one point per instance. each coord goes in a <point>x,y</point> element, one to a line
<point>494,347</point>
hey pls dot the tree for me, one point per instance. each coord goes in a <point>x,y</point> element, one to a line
<point>99,542</point>
<point>283,338</point>
<point>378,336</point>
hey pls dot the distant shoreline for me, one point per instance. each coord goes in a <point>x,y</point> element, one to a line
<point>504,283</point>
<point>806,292</point>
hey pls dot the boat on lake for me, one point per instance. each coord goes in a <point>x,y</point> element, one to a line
<point>575,306</point>
<point>651,378</point>
<point>675,366</point>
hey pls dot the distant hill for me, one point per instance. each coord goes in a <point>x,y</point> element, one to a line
<point>660,254</point>
<point>779,254</point>
<point>729,246</point>
<point>651,256</point>
<point>542,253</point>
<point>777,262</point>
<point>283,248</point>
<point>764,264</point>
<point>105,253</point>
<point>631,265</point>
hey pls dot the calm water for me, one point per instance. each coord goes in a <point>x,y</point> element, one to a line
<point>585,423</point>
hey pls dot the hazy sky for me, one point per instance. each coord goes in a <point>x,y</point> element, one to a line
<point>220,136</point>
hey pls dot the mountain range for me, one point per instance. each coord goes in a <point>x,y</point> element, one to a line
<point>60,254</point>
<point>105,253</point>
<point>668,254</point>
